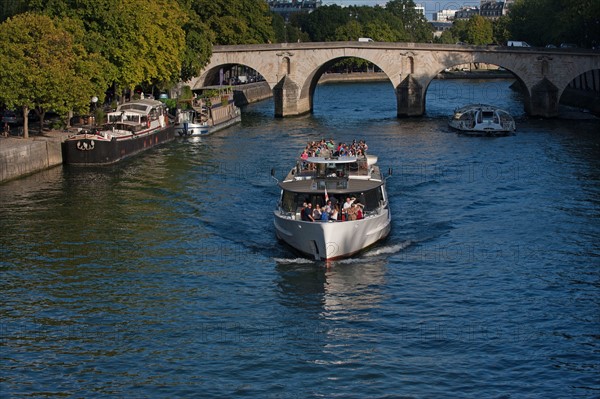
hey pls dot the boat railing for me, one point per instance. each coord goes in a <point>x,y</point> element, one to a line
<point>305,170</point>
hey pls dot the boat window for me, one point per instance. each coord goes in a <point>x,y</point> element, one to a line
<point>113,118</point>
<point>372,199</point>
<point>131,118</point>
<point>289,202</point>
<point>321,168</point>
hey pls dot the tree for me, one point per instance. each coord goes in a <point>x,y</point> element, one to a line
<point>42,67</point>
<point>198,46</point>
<point>479,30</point>
<point>447,37</point>
<point>459,30</point>
<point>349,32</point>
<point>414,22</point>
<point>542,22</point>
<point>236,21</point>
<point>143,39</point>
<point>501,30</point>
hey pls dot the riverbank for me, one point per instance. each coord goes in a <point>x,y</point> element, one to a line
<point>21,157</point>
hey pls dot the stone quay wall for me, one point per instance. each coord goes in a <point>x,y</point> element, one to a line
<point>20,157</point>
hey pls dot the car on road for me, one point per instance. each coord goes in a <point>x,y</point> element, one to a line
<point>9,117</point>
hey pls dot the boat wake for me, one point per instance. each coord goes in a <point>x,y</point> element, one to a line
<point>369,254</point>
<point>388,249</point>
<point>293,261</point>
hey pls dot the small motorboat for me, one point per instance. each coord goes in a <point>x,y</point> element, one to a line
<point>482,120</point>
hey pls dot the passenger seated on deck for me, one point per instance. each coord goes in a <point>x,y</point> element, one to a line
<point>307,213</point>
<point>359,210</point>
<point>351,212</point>
<point>317,212</point>
<point>335,213</point>
<point>328,208</point>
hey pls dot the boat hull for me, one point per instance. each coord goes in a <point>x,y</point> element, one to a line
<point>89,150</point>
<point>329,240</point>
<point>191,129</point>
<point>197,129</point>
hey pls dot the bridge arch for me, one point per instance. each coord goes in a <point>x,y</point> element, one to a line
<point>309,87</point>
<point>469,60</point>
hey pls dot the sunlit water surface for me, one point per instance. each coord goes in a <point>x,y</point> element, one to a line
<point>162,277</point>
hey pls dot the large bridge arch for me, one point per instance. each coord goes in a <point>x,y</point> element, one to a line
<point>451,62</point>
<point>291,69</point>
<point>308,89</point>
<point>219,60</point>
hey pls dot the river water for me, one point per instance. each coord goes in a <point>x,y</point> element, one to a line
<point>162,277</point>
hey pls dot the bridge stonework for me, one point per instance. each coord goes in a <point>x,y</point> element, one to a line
<point>292,70</point>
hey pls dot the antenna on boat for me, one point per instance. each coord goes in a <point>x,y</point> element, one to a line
<point>273,175</point>
<point>389,173</point>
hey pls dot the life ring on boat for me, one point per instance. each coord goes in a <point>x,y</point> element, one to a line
<point>148,123</point>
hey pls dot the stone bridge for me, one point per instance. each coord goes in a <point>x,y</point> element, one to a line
<point>292,70</point>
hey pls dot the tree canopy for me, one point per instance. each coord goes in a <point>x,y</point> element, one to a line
<point>43,66</point>
<point>236,21</point>
<point>398,21</point>
<point>542,22</point>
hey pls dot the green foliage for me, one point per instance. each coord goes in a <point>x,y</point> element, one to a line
<point>236,21</point>
<point>99,116</point>
<point>43,66</point>
<point>479,30</point>
<point>399,21</point>
<point>348,32</point>
<point>447,37</point>
<point>198,44</point>
<point>279,28</point>
<point>541,22</point>
<point>501,29</point>
<point>459,30</point>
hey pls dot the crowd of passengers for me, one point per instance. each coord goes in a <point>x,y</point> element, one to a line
<point>351,210</point>
<point>328,149</point>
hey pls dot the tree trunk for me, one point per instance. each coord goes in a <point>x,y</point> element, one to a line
<point>25,122</point>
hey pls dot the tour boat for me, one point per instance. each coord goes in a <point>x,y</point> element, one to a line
<point>482,120</point>
<point>207,115</point>
<point>315,180</point>
<point>134,127</point>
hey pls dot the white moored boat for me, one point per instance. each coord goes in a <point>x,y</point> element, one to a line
<point>207,115</point>
<point>482,120</point>
<point>340,179</point>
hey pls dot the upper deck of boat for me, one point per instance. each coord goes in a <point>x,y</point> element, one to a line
<point>337,174</point>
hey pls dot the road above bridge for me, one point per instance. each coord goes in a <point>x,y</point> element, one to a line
<point>292,70</point>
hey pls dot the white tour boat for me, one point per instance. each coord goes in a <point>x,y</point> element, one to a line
<point>482,120</point>
<point>313,181</point>
<point>207,115</point>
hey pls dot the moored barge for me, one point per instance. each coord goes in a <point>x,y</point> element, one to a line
<point>133,127</point>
